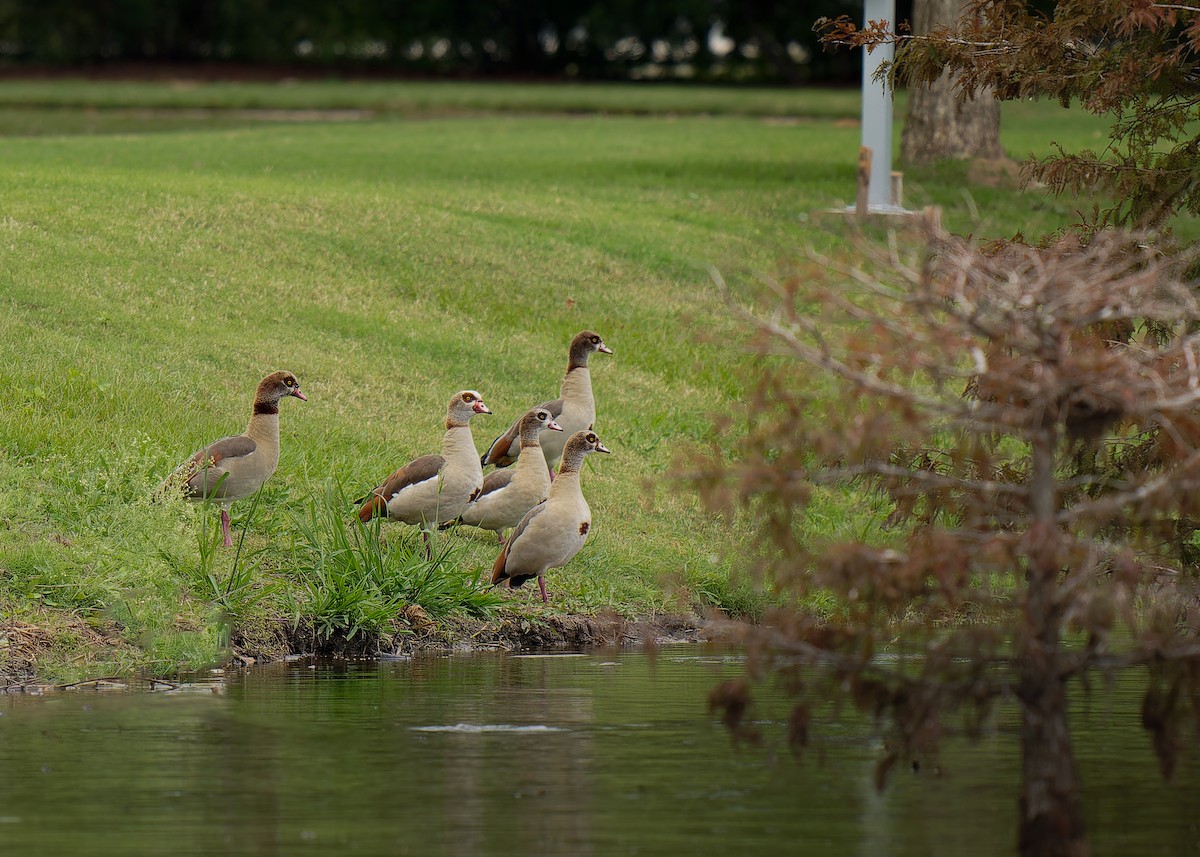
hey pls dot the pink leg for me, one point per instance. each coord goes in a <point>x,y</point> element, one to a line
<point>225,527</point>
<point>542,586</point>
<point>552,474</point>
<point>500,537</point>
<point>428,549</point>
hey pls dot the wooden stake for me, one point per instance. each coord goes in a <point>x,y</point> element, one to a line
<point>862,205</point>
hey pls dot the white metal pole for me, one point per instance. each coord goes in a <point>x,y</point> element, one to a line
<point>877,108</point>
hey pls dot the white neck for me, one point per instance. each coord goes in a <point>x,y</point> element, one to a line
<point>458,448</point>
<point>530,439</point>
<point>566,483</point>
<point>577,387</point>
<point>264,428</point>
<point>532,456</point>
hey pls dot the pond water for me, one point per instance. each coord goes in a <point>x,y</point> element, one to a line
<point>599,753</point>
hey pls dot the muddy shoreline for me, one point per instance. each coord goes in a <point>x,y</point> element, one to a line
<point>22,644</point>
<point>513,631</point>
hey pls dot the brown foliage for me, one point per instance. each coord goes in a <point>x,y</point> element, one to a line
<point>1028,416</point>
<point>732,699</point>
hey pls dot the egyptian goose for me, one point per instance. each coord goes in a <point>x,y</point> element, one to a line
<point>236,467</point>
<point>508,494</point>
<point>434,488</point>
<point>551,533</point>
<point>575,410</point>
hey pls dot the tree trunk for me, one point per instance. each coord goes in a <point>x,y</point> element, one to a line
<point>1051,807</point>
<point>940,124</point>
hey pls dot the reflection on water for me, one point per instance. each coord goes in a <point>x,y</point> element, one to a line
<point>605,753</point>
<point>485,727</point>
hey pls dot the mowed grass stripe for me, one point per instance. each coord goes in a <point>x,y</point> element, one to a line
<point>421,97</point>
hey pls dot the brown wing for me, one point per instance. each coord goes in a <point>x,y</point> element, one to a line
<point>506,448</point>
<point>203,472</point>
<point>498,452</point>
<point>372,505</point>
<point>494,481</point>
<point>415,472</point>
<point>498,566</point>
<point>555,408</point>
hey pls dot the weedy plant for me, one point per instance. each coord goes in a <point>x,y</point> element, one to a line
<point>237,593</point>
<point>352,579</point>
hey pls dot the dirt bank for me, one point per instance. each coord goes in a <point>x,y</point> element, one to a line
<point>414,631</point>
<point>23,644</point>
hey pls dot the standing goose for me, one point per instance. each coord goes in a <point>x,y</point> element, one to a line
<point>508,494</point>
<point>434,488</point>
<point>575,410</point>
<point>551,533</point>
<point>236,467</point>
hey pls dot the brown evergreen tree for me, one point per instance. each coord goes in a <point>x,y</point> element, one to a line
<point>986,398</point>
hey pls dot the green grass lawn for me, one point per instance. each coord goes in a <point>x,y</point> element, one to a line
<point>151,273</point>
<point>423,97</point>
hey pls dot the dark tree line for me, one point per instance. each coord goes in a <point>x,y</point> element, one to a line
<point>702,39</point>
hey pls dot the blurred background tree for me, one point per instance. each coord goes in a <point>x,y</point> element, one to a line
<point>1135,62</point>
<point>941,122</point>
<point>714,40</point>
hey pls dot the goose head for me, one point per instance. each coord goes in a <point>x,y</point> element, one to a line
<point>464,405</point>
<point>277,386</point>
<point>580,444</point>
<point>538,420</point>
<point>584,345</point>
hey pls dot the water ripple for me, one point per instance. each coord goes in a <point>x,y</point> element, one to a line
<point>473,728</point>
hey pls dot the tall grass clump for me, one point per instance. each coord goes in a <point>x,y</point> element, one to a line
<point>351,579</point>
<point>238,593</point>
